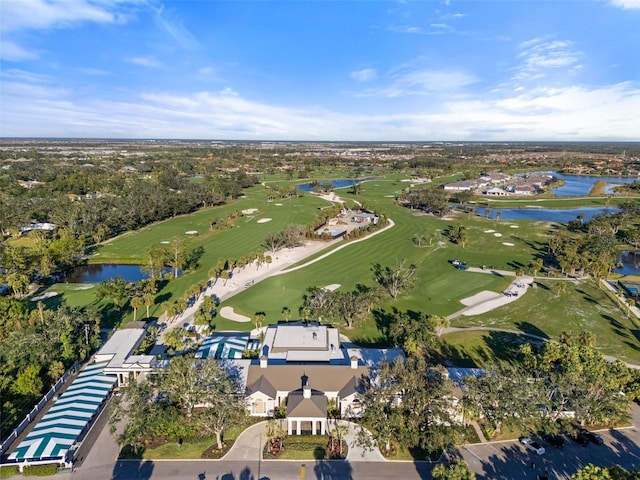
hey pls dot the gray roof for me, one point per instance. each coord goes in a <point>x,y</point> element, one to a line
<point>288,377</point>
<point>262,385</point>
<point>352,386</point>
<point>298,406</point>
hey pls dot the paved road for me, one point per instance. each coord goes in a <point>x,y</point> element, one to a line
<point>272,470</point>
<point>490,461</point>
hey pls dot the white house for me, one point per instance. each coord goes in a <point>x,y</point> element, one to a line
<point>303,368</point>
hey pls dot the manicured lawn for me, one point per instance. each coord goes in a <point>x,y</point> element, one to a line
<point>174,450</point>
<point>582,307</point>
<point>195,449</point>
<point>475,349</point>
<point>439,286</point>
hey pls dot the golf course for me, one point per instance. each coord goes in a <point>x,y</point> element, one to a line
<point>417,238</point>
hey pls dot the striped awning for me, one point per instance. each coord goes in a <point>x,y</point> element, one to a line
<point>68,418</point>
<point>223,346</point>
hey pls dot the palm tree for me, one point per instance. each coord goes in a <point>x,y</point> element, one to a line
<point>286,314</point>
<point>258,318</point>
<point>342,429</point>
<point>136,302</point>
<point>149,299</point>
<point>41,307</point>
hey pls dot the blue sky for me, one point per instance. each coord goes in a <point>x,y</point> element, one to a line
<point>321,70</point>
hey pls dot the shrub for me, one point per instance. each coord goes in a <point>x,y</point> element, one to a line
<point>9,471</point>
<point>40,470</point>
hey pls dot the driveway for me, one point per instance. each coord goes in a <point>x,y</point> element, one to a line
<point>249,443</point>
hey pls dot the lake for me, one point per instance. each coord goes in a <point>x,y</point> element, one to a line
<point>581,185</point>
<point>99,272</point>
<point>307,187</point>
<point>559,215</point>
<point>629,261</point>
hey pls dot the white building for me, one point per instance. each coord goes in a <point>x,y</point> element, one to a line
<point>303,367</point>
<point>118,352</point>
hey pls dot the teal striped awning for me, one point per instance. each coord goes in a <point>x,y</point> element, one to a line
<point>223,346</point>
<point>68,418</point>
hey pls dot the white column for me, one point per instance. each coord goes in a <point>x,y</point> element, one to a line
<point>298,422</point>
<point>313,427</point>
<point>322,426</point>
<point>288,427</point>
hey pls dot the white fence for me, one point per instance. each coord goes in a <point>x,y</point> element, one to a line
<point>32,414</point>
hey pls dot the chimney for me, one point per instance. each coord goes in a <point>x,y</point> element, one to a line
<point>354,362</point>
<point>263,361</point>
<point>306,390</point>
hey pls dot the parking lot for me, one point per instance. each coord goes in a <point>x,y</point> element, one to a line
<point>511,460</point>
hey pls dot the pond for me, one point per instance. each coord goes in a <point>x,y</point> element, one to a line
<point>581,185</point>
<point>628,262</point>
<point>99,272</point>
<point>559,215</point>
<point>308,187</point>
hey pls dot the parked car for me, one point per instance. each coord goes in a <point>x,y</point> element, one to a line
<point>532,445</point>
<point>556,441</point>
<point>591,436</point>
<point>580,438</point>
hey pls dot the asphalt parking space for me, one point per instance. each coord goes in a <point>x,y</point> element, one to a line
<point>510,460</point>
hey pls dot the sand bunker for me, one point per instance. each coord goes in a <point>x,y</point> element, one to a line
<point>264,220</point>
<point>83,287</point>
<point>497,234</point>
<point>192,232</point>
<point>278,204</point>
<point>44,296</point>
<point>229,314</point>
<point>514,226</point>
<point>508,244</point>
<point>165,242</point>
<point>489,231</point>
<point>249,211</point>
<point>332,287</point>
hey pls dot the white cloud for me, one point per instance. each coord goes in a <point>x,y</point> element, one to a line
<point>364,75</point>
<point>18,75</point>
<point>626,4</point>
<point>175,28</point>
<point>31,15</point>
<point>413,30</point>
<point>13,52</point>
<point>540,55</point>
<point>573,113</point>
<point>44,14</point>
<point>407,81</point>
<point>148,62</point>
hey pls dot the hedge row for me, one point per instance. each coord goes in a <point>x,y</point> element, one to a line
<point>40,470</point>
<point>9,471</point>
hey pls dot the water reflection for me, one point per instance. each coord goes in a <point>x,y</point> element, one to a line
<point>559,215</point>
<point>628,263</point>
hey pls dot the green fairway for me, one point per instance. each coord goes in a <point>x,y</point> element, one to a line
<point>504,245</point>
<point>582,307</point>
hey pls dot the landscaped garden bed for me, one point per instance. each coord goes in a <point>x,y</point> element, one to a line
<point>307,447</point>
